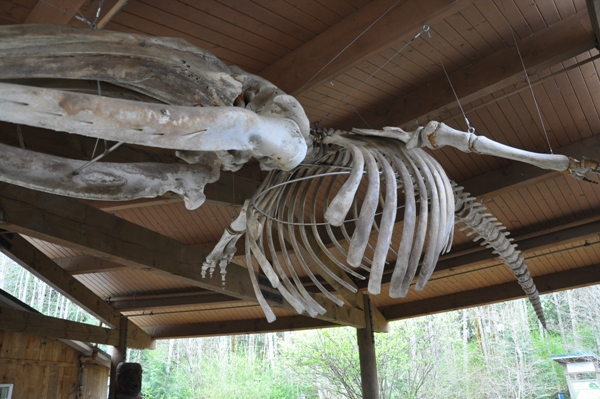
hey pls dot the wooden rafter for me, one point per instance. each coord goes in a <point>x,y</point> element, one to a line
<point>560,42</point>
<point>517,175</point>
<point>35,323</point>
<point>71,223</point>
<point>44,13</point>
<point>290,323</point>
<point>85,264</point>
<point>142,303</point>
<point>294,73</point>
<point>593,7</point>
<point>548,283</point>
<point>34,261</point>
<point>558,235</point>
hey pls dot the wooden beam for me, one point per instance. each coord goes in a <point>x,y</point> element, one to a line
<point>593,7</point>
<point>373,31</point>
<point>545,239</point>
<point>38,324</point>
<point>129,305</point>
<point>118,354</point>
<point>68,222</point>
<point>367,357</point>
<point>557,235</point>
<point>86,264</point>
<point>254,326</point>
<point>546,48</point>
<point>44,13</point>
<point>548,283</point>
<point>33,260</point>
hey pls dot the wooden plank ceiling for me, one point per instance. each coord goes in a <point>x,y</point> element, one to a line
<point>354,63</point>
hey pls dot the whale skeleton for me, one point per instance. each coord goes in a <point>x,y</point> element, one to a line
<point>331,204</point>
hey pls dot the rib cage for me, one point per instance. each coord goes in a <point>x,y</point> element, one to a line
<point>299,210</point>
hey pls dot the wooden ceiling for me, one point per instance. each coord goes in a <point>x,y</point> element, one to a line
<point>351,63</point>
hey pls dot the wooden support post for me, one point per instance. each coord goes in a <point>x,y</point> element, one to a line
<point>118,355</point>
<point>366,352</point>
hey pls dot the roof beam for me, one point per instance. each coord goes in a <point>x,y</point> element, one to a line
<point>558,43</point>
<point>548,238</point>
<point>44,13</point>
<point>34,261</point>
<point>141,303</point>
<point>254,326</point>
<point>70,223</point>
<point>517,175</point>
<point>38,324</point>
<point>545,239</point>
<point>545,284</point>
<point>86,264</point>
<point>593,7</point>
<point>375,27</point>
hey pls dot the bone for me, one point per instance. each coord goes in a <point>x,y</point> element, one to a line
<point>419,241</point>
<point>388,219</point>
<point>408,229</point>
<point>279,140</point>
<point>227,241</point>
<point>440,231</point>
<point>361,235</point>
<point>319,241</point>
<point>189,75</point>
<point>473,215</point>
<point>269,315</point>
<point>434,219</point>
<point>298,252</point>
<point>339,207</point>
<point>104,181</point>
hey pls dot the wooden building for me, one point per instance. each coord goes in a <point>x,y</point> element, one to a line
<point>39,366</point>
<point>348,62</point>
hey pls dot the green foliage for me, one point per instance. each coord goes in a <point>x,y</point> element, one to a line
<point>495,351</point>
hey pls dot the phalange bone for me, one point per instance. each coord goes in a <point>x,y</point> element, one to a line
<point>229,238</point>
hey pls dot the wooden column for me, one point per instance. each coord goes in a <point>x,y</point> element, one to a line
<point>118,355</point>
<point>366,351</point>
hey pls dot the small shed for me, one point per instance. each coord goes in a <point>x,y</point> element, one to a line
<point>583,374</point>
<point>36,366</point>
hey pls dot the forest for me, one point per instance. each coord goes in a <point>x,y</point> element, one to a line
<point>493,351</point>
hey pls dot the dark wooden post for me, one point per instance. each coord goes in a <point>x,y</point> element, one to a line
<point>366,351</point>
<point>118,355</point>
